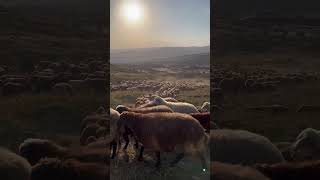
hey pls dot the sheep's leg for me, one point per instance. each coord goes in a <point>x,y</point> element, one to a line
<point>140,158</point>
<point>114,149</point>
<point>119,142</point>
<point>158,164</point>
<point>178,158</point>
<point>126,139</point>
<point>137,143</point>
<point>203,161</point>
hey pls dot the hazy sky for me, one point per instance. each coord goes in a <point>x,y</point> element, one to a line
<point>159,23</point>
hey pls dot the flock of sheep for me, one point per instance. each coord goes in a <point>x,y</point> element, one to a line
<point>258,80</point>
<point>162,125</point>
<point>240,154</point>
<point>39,159</point>
<point>244,155</point>
<point>163,89</point>
<point>58,77</point>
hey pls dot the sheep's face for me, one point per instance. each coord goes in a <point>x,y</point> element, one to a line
<point>121,108</point>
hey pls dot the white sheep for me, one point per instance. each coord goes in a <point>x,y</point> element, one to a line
<point>13,166</point>
<point>307,145</point>
<point>114,136</point>
<point>205,107</point>
<point>242,147</point>
<point>114,117</point>
<point>181,107</point>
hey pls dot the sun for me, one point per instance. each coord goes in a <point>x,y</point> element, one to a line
<point>132,12</point>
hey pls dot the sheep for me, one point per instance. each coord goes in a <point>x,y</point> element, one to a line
<point>114,118</point>
<point>53,169</point>
<point>205,107</point>
<point>95,118</point>
<point>222,171</point>
<point>13,166</point>
<point>180,107</point>
<point>203,118</point>
<point>307,145</point>
<point>160,108</point>
<point>99,143</point>
<point>121,108</point>
<point>170,99</point>
<point>35,149</point>
<point>289,170</point>
<point>242,147</point>
<point>152,103</point>
<point>101,132</point>
<point>62,89</point>
<point>166,132</point>
<point>90,130</point>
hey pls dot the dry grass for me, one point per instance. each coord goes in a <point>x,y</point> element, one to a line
<point>126,167</point>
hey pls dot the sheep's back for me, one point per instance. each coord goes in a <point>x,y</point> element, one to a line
<point>242,147</point>
<point>182,107</point>
<point>167,131</point>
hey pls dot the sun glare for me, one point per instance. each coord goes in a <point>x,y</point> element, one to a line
<point>132,12</point>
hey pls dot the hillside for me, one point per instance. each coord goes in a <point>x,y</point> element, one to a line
<point>63,30</point>
<point>188,60</point>
<point>265,26</point>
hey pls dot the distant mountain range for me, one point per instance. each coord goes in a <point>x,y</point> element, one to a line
<point>202,59</point>
<point>154,55</point>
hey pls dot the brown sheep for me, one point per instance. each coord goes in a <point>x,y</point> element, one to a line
<point>55,169</point>
<point>167,132</point>
<point>35,149</point>
<point>160,108</point>
<point>151,109</point>
<point>293,171</point>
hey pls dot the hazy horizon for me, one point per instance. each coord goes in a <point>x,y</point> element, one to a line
<point>114,49</point>
<point>154,24</point>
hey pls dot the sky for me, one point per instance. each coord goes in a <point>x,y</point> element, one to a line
<point>162,23</point>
